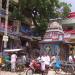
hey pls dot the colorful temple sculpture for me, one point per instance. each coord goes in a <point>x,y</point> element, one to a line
<point>54,41</point>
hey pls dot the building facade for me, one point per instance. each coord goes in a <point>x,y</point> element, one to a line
<point>20,34</point>
<point>69,28</point>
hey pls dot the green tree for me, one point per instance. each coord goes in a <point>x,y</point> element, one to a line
<point>66,9</point>
<point>40,11</point>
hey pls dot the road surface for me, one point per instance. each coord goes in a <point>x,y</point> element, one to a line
<point>18,73</point>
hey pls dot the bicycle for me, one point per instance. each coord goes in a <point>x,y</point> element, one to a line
<point>35,67</point>
<point>19,68</point>
<point>29,71</point>
<point>22,69</point>
<point>69,67</point>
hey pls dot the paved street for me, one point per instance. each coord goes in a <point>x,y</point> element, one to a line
<point>16,73</point>
<point>11,73</point>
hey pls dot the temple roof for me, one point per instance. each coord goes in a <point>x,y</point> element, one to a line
<point>54,32</point>
<point>55,25</point>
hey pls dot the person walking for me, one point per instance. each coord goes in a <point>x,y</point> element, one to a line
<point>7,62</point>
<point>71,58</point>
<point>13,62</point>
<point>47,60</point>
<point>53,60</point>
<point>24,61</point>
<point>43,62</point>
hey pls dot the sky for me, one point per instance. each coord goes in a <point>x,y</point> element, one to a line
<point>72,2</point>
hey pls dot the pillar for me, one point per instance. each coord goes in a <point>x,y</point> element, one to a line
<point>0,8</point>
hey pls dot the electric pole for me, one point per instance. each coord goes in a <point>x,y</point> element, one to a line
<point>5,37</point>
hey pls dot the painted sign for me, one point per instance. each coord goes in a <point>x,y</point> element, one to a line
<point>53,36</point>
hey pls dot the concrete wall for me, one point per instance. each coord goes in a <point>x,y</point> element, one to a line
<point>68,21</point>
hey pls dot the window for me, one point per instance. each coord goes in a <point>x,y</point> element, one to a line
<point>70,28</point>
<point>67,28</point>
<point>3,4</point>
<point>2,20</point>
<point>10,7</point>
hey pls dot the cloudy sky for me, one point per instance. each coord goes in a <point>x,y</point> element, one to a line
<point>72,2</point>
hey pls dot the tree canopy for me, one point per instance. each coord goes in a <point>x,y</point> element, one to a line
<point>40,11</point>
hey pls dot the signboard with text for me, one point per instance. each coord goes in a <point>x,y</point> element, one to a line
<point>54,36</point>
<point>5,38</point>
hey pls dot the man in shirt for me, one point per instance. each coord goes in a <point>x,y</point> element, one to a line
<point>47,60</point>
<point>13,61</point>
<point>74,58</point>
<point>43,62</point>
<point>70,58</point>
<point>24,60</point>
<point>7,62</point>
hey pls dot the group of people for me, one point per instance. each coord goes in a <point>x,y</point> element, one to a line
<point>12,60</point>
<point>47,61</point>
<point>44,59</point>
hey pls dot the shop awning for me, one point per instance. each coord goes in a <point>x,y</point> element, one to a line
<point>50,42</point>
<point>25,36</point>
<point>12,50</point>
<point>70,43</point>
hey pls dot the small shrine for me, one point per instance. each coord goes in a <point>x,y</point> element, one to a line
<point>53,39</point>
